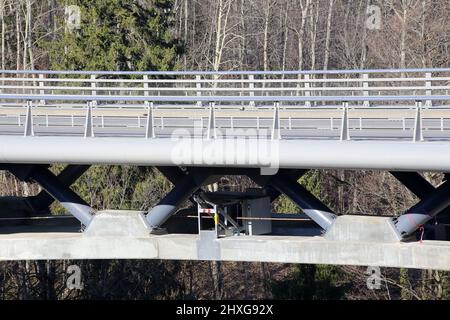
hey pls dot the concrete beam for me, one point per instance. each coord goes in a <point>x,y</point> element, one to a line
<point>118,223</point>
<point>362,228</point>
<point>282,249</point>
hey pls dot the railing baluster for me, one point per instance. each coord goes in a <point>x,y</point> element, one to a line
<point>307,92</point>
<point>251,85</point>
<point>365,84</point>
<point>41,85</point>
<point>199,87</point>
<point>428,87</point>
<point>145,78</point>
<point>93,86</point>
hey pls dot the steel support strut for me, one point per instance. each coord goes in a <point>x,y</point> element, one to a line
<point>309,204</point>
<point>414,182</point>
<point>423,211</point>
<point>173,174</point>
<point>182,190</point>
<point>55,187</point>
<point>68,199</point>
<point>295,174</point>
<point>68,176</point>
<point>421,188</point>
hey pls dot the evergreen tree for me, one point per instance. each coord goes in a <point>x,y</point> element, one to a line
<point>121,35</point>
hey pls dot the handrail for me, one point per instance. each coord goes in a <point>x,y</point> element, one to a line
<point>241,86</point>
<point>278,80</point>
<point>28,97</point>
<point>190,72</point>
<point>224,88</point>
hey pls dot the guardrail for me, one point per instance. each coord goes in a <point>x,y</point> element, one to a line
<point>201,84</point>
<point>319,104</point>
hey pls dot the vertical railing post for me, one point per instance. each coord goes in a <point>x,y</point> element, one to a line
<point>93,86</point>
<point>89,122</point>
<point>365,85</point>
<point>145,78</point>
<point>307,92</point>
<point>418,134</point>
<point>211,134</point>
<point>41,85</point>
<point>428,88</point>
<point>276,134</point>
<point>251,85</point>
<point>299,78</point>
<point>198,85</point>
<point>29,130</point>
<point>150,125</point>
<point>345,132</point>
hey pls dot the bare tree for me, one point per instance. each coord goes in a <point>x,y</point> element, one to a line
<point>328,35</point>
<point>300,30</point>
<point>222,35</point>
<point>3,27</point>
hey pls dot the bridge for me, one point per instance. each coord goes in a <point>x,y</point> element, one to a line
<point>195,127</point>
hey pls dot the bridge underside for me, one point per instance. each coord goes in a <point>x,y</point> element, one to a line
<point>412,239</point>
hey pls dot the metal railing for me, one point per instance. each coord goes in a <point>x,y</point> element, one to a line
<point>341,104</point>
<point>366,83</point>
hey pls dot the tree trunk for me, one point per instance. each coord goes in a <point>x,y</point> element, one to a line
<point>304,8</point>
<point>403,39</point>
<point>29,35</point>
<point>328,35</point>
<point>313,33</point>
<point>285,38</point>
<point>17,35</point>
<point>266,35</point>
<point>3,27</point>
